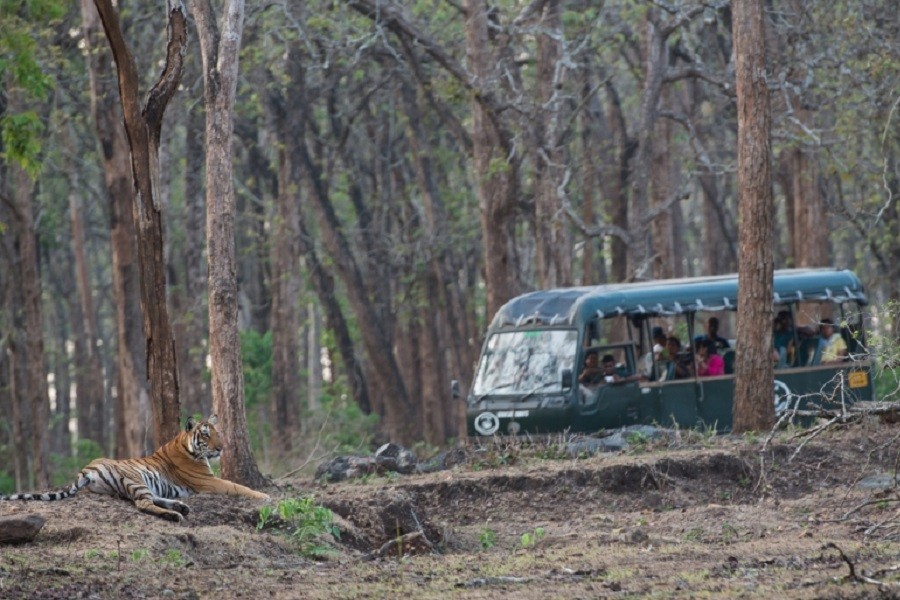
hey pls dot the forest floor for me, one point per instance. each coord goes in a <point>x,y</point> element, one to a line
<point>690,516</point>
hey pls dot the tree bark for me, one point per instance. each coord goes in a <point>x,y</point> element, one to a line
<point>220,70</point>
<point>188,298</point>
<point>143,130</point>
<point>36,394</point>
<point>285,285</point>
<point>553,239</point>
<point>132,403</point>
<point>753,401</point>
<point>495,169</point>
<point>91,396</point>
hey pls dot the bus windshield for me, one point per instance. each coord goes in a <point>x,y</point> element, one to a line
<point>518,362</point>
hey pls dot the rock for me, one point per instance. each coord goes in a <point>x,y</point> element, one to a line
<point>394,457</point>
<point>19,529</point>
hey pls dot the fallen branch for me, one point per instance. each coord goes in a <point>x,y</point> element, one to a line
<point>857,577</point>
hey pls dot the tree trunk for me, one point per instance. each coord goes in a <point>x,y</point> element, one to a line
<point>285,285</point>
<point>753,398</point>
<point>35,394</point>
<point>553,240</point>
<point>192,359</point>
<point>495,171</point>
<point>664,257</point>
<point>91,397</point>
<point>655,62</point>
<point>143,130</point>
<point>220,70</point>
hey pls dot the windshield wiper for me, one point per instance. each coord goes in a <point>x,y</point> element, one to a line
<point>495,388</point>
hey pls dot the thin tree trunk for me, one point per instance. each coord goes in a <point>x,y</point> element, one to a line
<point>553,240</point>
<point>753,404</point>
<point>193,382</point>
<point>495,171</point>
<point>36,393</point>
<point>93,391</point>
<point>143,129</point>
<point>220,70</point>
<point>285,285</point>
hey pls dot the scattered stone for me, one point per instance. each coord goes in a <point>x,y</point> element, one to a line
<point>615,441</point>
<point>19,529</point>
<point>390,457</point>
<point>880,481</point>
<point>394,457</point>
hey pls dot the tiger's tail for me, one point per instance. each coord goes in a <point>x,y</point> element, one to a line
<point>83,481</point>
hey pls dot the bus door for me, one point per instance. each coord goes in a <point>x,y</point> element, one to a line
<point>609,406</point>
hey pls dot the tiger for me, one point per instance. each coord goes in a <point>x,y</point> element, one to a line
<point>178,469</point>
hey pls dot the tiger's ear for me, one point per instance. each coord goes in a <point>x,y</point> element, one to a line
<point>212,420</point>
<point>191,423</point>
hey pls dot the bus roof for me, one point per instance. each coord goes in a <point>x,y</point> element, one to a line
<point>568,306</point>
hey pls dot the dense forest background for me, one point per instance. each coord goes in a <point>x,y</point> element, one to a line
<point>401,169</point>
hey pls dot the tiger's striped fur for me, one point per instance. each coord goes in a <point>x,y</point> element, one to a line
<point>177,470</point>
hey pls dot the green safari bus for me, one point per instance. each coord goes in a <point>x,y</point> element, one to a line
<point>528,376</point>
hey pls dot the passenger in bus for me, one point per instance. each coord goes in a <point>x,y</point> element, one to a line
<point>712,333</point>
<point>593,372</point>
<point>679,364</point>
<point>783,337</point>
<point>834,348</point>
<point>657,355</point>
<point>709,363</point>
<point>610,375</point>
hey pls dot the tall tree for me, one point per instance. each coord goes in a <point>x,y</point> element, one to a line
<point>144,127</point>
<point>753,405</point>
<point>132,405</point>
<point>220,71</point>
<point>289,124</point>
<point>495,171</point>
<point>36,394</point>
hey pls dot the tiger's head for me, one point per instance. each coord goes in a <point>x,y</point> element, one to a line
<point>203,441</point>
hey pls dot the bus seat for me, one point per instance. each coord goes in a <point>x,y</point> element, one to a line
<point>728,357</point>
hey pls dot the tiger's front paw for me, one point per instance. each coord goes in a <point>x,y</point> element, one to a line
<point>264,497</point>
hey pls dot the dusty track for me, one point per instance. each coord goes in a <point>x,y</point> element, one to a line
<point>689,519</point>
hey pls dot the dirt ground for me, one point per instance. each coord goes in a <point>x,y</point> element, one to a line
<point>690,516</point>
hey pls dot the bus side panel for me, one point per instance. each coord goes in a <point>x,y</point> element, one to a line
<point>716,402</point>
<point>824,386</point>
<point>677,404</point>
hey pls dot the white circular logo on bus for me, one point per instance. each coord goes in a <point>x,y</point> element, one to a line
<point>783,397</point>
<point>487,423</point>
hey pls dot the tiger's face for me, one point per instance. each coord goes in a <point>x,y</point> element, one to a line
<point>204,442</point>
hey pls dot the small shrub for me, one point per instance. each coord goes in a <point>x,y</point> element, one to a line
<point>488,538</point>
<point>531,538</point>
<point>306,522</point>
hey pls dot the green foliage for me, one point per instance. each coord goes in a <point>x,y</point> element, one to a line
<point>488,538</point>
<point>306,522</point>
<point>21,140</point>
<point>256,353</point>
<point>174,558</point>
<point>531,538</point>
<point>139,555</point>
<point>347,427</point>
<point>25,24</point>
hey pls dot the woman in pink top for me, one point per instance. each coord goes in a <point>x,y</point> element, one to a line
<point>709,362</point>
